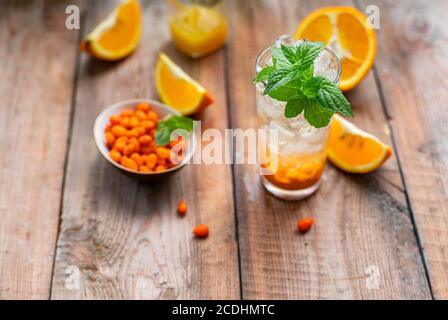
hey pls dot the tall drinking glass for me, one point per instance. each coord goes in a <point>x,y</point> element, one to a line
<point>300,149</point>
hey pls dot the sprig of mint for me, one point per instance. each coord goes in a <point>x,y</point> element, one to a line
<point>167,126</point>
<point>291,79</point>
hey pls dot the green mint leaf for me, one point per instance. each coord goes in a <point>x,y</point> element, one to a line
<point>307,52</point>
<point>295,106</point>
<point>284,93</point>
<point>263,75</point>
<point>162,136</point>
<point>289,53</point>
<point>331,97</point>
<point>166,127</point>
<point>312,86</point>
<point>279,78</point>
<point>279,59</point>
<point>317,115</point>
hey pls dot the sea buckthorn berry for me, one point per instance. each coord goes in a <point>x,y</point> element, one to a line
<point>129,149</point>
<point>145,140</point>
<point>136,144</point>
<point>115,119</point>
<point>152,115</point>
<point>151,161</point>
<point>305,224</point>
<point>144,169</point>
<point>148,124</point>
<point>201,231</point>
<point>132,133</point>
<point>145,150</point>
<point>115,155</point>
<point>119,131</point>
<point>137,158</point>
<point>126,113</point>
<point>161,161</point>
<point>110,139</point>
<point>126,122</point>
<point>182,208</point>
<point>129,163</point>
<point>163,153</point>
<point>141,130</point>
<point>143,106</point>
<point>119,146</point>
<point>140,115</point>
<point>123,139</point>
<point>134,122</point>
<point>160,168</point>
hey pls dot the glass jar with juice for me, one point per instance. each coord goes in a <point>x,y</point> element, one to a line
<point>198,27</point>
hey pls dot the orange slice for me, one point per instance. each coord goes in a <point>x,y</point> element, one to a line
<point>178,90</point>
<point>118,35</point>
<point>347,32</point>
<point>353,150</point>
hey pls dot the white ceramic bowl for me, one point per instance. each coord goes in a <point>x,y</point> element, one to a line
<point>162,110</point>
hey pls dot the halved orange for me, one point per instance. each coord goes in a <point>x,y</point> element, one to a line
<point>118,35</point>
<point>178,90</point>
<point>353,150</point>
<point>347,32</point>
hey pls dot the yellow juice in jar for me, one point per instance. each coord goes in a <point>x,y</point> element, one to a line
<point>198,30</point>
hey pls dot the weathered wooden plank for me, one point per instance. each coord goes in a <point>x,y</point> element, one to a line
<point>362,222</point>
<point>38,61</point>
<point>125,237</point>
<point>412,68</point>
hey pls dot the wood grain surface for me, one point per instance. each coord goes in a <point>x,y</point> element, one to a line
<point>64,208</point>
<point>37,66</point>
<point>362,222</point>
<point>411,69</point>
<point>126,238</point>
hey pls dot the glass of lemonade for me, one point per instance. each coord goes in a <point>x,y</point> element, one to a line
<point>300,150</point>
<point>198,27</point>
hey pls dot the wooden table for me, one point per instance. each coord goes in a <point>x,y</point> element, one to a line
<point>382,235</point>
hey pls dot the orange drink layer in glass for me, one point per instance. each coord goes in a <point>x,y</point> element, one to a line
<point>197,29</point>
<point>295,152</point>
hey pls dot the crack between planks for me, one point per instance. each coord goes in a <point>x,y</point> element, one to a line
<point>69,138</point>
<point>232,166</point>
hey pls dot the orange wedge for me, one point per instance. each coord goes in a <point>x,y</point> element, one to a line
<point>118,35</point>
<point>353,150</point>
<point>178,90</point>
<point>347,32</point>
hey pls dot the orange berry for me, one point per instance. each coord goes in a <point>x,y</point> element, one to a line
<point>115,155</point>
<point>140,115</point>
<point>123,139</point>
<point>144,169</point>
<point>115,119</point>
<point>143,106</point>
<point>161,161</point>
<point>141,131</point>
<point>145,150</point>
<point>145,140</point>
<point>152,115</point>
<point>182,207</point>
<point>110,139</point>
<point>148,124</point>
<point>119,131</point>
<point>129,163</point>
<point>163,153</point>
<point>129,149</point>
<point>151,161</point>
<point>126,113</point>
<point>305,224</point>
<point>160,168</point>
<point>134,122</point>
<point>119,146</point>
<point>201,231</point>
<point>136,144</point>
<point>137,158</point>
